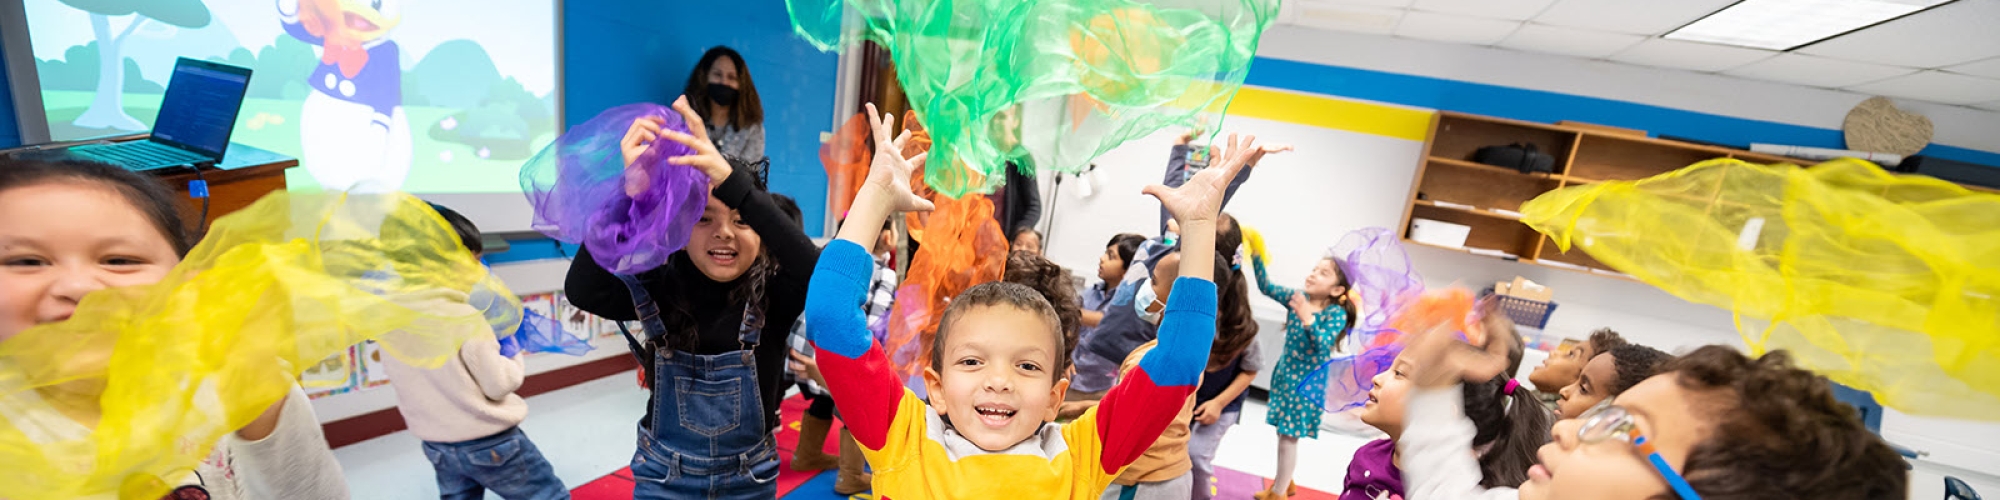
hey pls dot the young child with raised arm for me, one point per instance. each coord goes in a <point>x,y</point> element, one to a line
<point>996,372</point>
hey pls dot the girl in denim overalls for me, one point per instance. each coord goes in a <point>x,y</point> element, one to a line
<point>715,316</point>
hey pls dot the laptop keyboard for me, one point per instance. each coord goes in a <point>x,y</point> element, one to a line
<point>139,155</point>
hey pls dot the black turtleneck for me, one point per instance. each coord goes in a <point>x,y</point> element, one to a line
<point>679,285</point>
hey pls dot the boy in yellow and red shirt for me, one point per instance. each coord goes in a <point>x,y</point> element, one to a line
<point>995,379</point>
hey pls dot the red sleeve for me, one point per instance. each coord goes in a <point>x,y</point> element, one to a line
<point>1133,415</point>
<point>866,391</point>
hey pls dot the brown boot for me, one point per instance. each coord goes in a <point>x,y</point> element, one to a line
<point>1290,491</point>
<point>854,476</point>
<point>810,452</point>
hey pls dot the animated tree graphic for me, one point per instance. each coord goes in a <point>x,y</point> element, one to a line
<point>107,109</point>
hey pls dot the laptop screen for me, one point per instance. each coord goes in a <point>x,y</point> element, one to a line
<point>199,110</point>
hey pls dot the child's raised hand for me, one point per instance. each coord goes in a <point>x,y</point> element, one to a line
<point>638,137</point>
<point>1257,153</point>
<point>1200,198</point>
<point>889,175</point>
<point>1253,240</point>
<point>1439,359</point>
<point>705,157</point>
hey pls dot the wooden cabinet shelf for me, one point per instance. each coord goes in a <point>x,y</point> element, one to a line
<point>1450,187</point>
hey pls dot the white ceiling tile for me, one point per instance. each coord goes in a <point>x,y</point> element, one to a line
<point>1639,17</point>
<point>1352,18</point>
<point>1989,68</point>
<point>1816,71</point>
<point>1954,33</point>
<point>1936,86</point>
<point>1569,41</point>
<point>1457,29</point>
<point>1689,55</point>
<point>1515,10</point>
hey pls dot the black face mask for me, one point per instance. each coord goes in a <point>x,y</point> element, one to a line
<point>722,94</point>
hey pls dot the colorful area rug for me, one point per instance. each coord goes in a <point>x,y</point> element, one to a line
<point>818,485</point>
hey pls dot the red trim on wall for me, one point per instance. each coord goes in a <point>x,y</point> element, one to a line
<point>380,423</point>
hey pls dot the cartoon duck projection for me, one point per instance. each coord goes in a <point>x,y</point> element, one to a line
<point>353,134</point>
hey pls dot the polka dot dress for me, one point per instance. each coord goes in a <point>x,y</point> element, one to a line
<point>1306,348</point>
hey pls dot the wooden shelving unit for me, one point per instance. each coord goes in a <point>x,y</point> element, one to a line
<point>1450,187</point>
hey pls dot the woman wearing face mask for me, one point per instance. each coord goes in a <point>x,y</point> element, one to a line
<point>715,318</point>
<point>720,90</point>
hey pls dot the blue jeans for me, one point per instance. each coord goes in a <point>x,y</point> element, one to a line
<point>507,463</point>
<point>660,473</point>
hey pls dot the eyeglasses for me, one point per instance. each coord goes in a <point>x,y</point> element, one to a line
<point>1607,421</point>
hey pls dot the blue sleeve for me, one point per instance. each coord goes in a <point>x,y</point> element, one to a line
<point>1187,330</point>
<point>838,287</point>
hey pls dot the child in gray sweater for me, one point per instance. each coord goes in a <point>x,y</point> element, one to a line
<point>468,416</point>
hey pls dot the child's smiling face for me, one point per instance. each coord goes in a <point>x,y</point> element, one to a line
<point>997,383</point>
<point>62,240</point>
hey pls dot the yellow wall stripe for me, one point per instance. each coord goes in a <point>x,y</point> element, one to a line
<point>1330,112</point>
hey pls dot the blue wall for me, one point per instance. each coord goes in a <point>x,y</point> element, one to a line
<point>622,51</point>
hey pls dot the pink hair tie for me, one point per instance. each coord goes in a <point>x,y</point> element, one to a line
<point>1511,385</point>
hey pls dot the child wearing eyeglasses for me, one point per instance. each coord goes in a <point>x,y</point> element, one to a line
<point>1713,425</point>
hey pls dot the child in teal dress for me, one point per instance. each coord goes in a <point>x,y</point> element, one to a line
<point>1316,330</point>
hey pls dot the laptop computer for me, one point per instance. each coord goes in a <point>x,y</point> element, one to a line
<point>192,129</point>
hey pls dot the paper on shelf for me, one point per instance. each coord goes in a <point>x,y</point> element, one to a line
<point>1822,154</point>
<point>1447,204</point>
<point>1505,212</point>
<point>1491,253</point>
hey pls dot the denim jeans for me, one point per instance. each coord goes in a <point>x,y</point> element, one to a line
<point>659,473</point>
<point>507,463</point>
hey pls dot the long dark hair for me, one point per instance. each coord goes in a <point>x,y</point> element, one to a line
<point>1340,271</point>
<point>748,109</point>
<point>675,313</point>
<point>1235,328</point>
<point>1510,427</point>
<point>145,193</point>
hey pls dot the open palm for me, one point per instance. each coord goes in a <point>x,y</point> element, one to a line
<point>890,172</point>
<point>1200,197</point>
